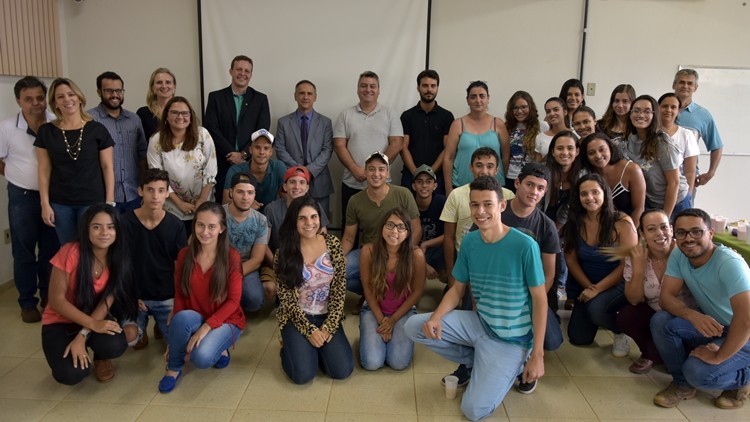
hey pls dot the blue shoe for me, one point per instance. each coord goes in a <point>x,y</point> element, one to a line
<point>168,383</point>
<point>223,361</point>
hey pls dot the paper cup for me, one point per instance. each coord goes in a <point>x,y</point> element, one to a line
<point>742,231</point>
<point>451,384</point>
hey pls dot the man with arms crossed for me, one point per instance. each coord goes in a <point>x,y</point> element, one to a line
<point>506,328</point>
<point>707,348</point>
<point>31,270</point>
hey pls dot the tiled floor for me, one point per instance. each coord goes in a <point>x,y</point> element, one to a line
<point>581,384</point>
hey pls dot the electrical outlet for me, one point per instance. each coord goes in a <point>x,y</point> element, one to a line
<point>6,236</point>
<point>590,89</point>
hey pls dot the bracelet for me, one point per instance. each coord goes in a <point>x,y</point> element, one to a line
<point>112,204</point>
<point>85,332</point>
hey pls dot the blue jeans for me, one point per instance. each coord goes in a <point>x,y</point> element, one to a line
<point>353,282</point>
<point>159,309</point>
<point>601,311</point>
<point>184,324</point>
<point>374,353</point>
<point>553,336</point>
<point>66,220</point>
<point>253,295</point>
<point>31,271</point>
<point>675,338</point>
<point>301,360</point>
<point>464,340</point>
<point>123,207</point>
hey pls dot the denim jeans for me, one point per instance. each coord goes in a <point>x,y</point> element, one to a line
<point>30,271</point>
<point>464,340</point>
<point>601,311</point>
<point>300,359</point>
<point>66,220</point>
<point>553,336</point>
<point>675,338</point>
<point>353,282</point>
<point>253,295</point>
<point>159,309</point>
<point>184,324</point>
<point>374,353</point>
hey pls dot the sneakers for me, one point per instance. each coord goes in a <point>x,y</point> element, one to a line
<point>621,346</point>
<point>104,370</point>
<point>641,366</point>
<point>673,395</point>
<point>462,373</point>
<point>31,315</point>
<point>142,343</point>
<point>525,387</point>
<point>732,399</point>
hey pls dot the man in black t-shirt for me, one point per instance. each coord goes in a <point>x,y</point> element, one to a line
<point>430,206</point>
<point>154,237</point>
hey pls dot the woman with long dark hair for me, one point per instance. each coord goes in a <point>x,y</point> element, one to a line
<point>393,277</point>
<point>625,178</point>
<point>555,114</point>
<point>564,168</point>
<point>207,317</point>
<point>91,288</point>
<point>648,145</point>
<point>523,126</point>
<point>615,118</point>
<point>594,223</point>
<point>311,280</point>
<point>574,96</point>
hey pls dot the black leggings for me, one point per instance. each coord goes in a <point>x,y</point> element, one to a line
<point>56,337</point>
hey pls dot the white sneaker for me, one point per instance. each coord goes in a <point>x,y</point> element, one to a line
<point>621,346</point>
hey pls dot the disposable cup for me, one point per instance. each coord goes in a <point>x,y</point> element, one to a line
<point>742,231</point>
<point>451,384</point>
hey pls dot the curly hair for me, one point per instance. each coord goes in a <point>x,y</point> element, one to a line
<point>531,122</point>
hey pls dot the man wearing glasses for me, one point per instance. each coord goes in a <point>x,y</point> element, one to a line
<point>130,141</point>
<point>706,348</point>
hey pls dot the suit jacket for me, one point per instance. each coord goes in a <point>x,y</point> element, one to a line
<point>220,119</point>
<point>288,146</point>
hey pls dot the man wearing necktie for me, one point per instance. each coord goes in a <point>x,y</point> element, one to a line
<point>304,138</point>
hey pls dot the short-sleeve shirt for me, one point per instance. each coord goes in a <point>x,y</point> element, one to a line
<point>501,274</point>
<point>365,134</point>
<point>17,151</point>
<point>668,158</point>
<point>700,119</point>
<point>537,226</point>
<point>432,227</point>
<point>426,131</point>
<point>66,259</point>
<point>368,215</point>
<point>243,235</point>
<point>268,188</point>
<point>79,181</point>
<point>456,210</point>
<point>714,283</point>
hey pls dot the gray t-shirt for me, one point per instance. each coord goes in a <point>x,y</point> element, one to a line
<point>366,133</point>
<point>243,235</point>
<point>668,158</point>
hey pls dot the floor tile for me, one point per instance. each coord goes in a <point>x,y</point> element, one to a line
<point>130,385</point>
<point>212,388</point>
<point>8,363</point>
<point>382,391</point>
<point>595,360</point>
<point>554,396</point>
<point>27,339</point>
<point>18,410</point>
<point>431,396</point>
<point>612,397</point>
<point>81,412</point>
<point>184,414</point>
<point>277,416</point>
<point>360,417</point>
<point>270,389</point>
<point>32,379</point>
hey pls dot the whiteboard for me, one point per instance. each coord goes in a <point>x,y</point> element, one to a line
<point>725,92</point>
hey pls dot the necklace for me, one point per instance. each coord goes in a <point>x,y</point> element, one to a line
<point>98,271</point>
<point>74,150</point>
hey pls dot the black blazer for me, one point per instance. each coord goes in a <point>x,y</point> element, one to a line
<point>220,119</point>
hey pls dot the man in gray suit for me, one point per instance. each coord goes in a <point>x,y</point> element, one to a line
<point>304,138</point>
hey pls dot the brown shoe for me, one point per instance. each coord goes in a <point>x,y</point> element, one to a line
<point>732,399</point>
<point>569,303</point>
<point>673,395</point>
<point>641,366</point>
<point>104,370</point>
<point>31,315</point>
<point>157,333</point>
<point>142,343</point>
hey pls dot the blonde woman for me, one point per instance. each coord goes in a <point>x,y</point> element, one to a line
<point>161,88</point>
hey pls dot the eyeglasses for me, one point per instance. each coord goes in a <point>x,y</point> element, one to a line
<point>175,113</point>
<point>520,108</point>
<point>694,233</point>
<point>110,91</point>
<point>391,225</point>
<point>638,111</point>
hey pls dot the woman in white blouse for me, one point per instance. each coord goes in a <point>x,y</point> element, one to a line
<point>685,139</point>
<point>186,151</point>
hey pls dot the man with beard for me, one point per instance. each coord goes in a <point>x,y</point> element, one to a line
<point>706,348</point>
<point>130,142</point>
<point>425,127</point>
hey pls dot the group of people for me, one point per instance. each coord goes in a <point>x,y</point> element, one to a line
<point>116,217</point>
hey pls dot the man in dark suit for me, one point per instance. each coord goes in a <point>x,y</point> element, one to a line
<point>315,151</point>
<point>232,115</point>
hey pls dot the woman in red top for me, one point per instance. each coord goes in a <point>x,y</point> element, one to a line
<point>90,289</point>
<point>208,285</point>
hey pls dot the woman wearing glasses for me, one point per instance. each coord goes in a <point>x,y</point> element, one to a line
<point>472,131</point>
<point>161,88</point>
<point>659,158</point>
<point>393,277</point>
<point>186,151</point>
<point>523,125</point>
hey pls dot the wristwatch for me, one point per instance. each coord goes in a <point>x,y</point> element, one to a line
<point>85,332</point>
<point>244,155</point>
<point>112,204</point>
